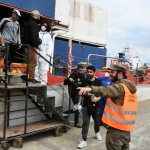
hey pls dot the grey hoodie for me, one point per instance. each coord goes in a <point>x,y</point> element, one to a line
<point>115,92</point>
<point>10,31</point>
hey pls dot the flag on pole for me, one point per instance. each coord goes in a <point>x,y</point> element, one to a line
<point>70,56</point>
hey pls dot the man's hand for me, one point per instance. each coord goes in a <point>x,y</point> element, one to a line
<point>2,40</point>
<point>19,46</point>
<point>62,85</point>
<point>95,99</point>
<point>40,48</point>
<point>71,80</point>
<point>83,90</point>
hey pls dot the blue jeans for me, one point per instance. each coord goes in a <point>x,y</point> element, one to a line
<point>102,104</point>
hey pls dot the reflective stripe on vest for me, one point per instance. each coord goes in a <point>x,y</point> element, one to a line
<point>121,117</point>
<point>121,111</point>
<point>119,120</point>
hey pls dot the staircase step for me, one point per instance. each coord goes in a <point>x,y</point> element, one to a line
<point>65,115</point>
<point>35,127</point>
<point>58,106</point>
<point>10,74</point>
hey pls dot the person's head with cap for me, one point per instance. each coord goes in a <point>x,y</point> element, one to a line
<point>90,71</point>
<point>117,72</point>
<point>36,14</point>
<point>16,14</point>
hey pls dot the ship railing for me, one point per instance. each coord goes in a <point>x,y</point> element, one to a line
<point>103,56</point>
<point>142,79</point>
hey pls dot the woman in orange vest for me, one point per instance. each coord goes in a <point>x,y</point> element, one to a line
<point>120,110</point>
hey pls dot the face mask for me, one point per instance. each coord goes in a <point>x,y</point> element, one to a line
<point>43,28</point>
<point>106,74</point>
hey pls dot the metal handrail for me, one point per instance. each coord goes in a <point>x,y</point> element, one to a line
<point>88,58</point>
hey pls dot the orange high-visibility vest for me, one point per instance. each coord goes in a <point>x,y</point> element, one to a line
<point>121,117</point>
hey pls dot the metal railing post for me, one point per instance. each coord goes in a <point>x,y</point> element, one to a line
<point>136,73</point>
<point>5,92</point>
<point>27,92</point>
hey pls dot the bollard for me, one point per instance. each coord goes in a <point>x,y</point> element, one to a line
<point>4,145</point>
<point>18,142</point>
<point>57,131</point>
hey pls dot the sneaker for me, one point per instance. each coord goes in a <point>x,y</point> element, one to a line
<point>78,125</point>
<point>82,144</point>
<point>24,78</point>
<point>98,136</point>
<point>33,81</point>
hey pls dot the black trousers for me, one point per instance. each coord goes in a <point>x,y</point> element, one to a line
<point>75,100</point>
<point>87,113</point>
<point>11,55</point>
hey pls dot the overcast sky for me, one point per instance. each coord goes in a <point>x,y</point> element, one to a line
<point>128,24</point>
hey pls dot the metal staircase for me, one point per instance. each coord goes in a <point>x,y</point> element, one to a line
<point>25,109</point>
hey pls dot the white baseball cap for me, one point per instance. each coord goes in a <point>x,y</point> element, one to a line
<point>17,12</point>
<point>36,12</point>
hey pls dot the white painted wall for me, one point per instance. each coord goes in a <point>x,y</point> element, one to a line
<point>143,92</point>
<point>59,100</point>
<point>85,22</point>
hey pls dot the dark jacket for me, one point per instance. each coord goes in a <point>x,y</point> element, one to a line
<point>72,86</point>
<point>32,33</point>
<point>87,98</point>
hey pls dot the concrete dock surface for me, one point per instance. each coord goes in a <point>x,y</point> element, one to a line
<point>69,141</point>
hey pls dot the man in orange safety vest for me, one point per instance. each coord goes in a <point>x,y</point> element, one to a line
<point>120,110</point>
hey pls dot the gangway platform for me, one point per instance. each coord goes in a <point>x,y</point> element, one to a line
<point>32,128</point>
